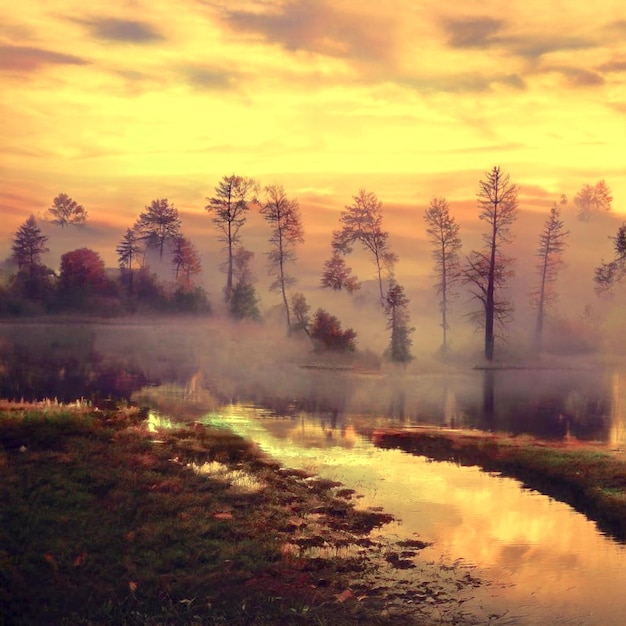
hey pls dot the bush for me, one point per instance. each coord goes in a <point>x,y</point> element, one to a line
<point>327,334</point>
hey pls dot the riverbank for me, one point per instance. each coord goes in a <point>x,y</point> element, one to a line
<point>105,521</point>
<point>590,477</point>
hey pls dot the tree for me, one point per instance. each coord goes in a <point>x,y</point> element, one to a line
<point>82,275</point>
<point>283,215</point>
<point>337,275</point>
<point>243,302</point>
<point>487,270</point>
<point>185,260</point>
<point>552,243</point>
<point>326,333</point>
<point>593,199</point>
<point>29,243</point>
<point>396,309</point>
<point>158,223</point>
<point>607,274</point>
<point>229,207</point>
<point>128,252</point>
<point>66,211</point>
<point>362,222</point>
<point>443,235</point>
<point>300,308</point>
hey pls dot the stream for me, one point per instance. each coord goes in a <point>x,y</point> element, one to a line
<point>548,563</point>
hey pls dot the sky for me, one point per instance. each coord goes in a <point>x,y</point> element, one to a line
<point>120,103</point>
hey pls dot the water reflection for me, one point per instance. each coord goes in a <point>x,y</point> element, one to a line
<point>555,566</point>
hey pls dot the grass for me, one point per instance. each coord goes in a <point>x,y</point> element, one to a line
<point>104,521</point>
<point>589,478</point>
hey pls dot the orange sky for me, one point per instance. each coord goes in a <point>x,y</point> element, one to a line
<point>123,102</point>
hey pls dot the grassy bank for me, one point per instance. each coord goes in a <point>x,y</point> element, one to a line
<point>105,522</point>
<point>589,477</point>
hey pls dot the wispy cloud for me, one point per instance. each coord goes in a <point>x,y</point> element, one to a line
<point>122,31</point>
<point>209,78</point>
<point>472,32</point>
<point>320,27</point>
<point>31,59</point>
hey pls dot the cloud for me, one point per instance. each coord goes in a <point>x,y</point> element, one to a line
<point>31,59</point>
<point>318,27</point>
<point>612,66</point>
<point>471,32</point>
<point>122,31</point>
<point>464,83</point>
<point>578,77</point>
<point>212,79</point>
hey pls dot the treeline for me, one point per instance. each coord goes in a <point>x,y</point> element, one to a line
<point>82,283</point>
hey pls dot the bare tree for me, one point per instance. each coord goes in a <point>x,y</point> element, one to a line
<point>66,211</point>
<point>488,269</point>
<point>362,222</point>
<point>159,223</point>
<point>593,199</point>
<point>283,216</point>
<point>607,274</point>
<point>229,207</point>
<point>552,243</point>
<point>443,235</point>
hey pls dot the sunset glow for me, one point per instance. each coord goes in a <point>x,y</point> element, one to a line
<point>119,103</point>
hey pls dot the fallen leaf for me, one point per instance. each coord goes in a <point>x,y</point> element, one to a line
<point>132,586</point>
<point>344,595</point>
<point>81,559</point>
<point>223,515</point>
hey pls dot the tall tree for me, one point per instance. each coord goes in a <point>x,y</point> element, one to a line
<point>443,235</point>
<point>362,222</point>
<point>158,224</point>
<point>29,243</point>
<point>185,260</point>
<point>487,270</point>
<point>396,309</point>
<point>229,207</point>
<point>607,274</point>
<point>129,250</point>
<point>552,243</point>
<point>283,216</point>
<point>593,199</point>
<point>66,211</point>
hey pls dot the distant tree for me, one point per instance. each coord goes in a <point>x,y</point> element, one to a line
<point>283,216</point>
<point>443,235</point>
<point>243,302</point>
<point>337,275</point>
<point>362,222</point>
<point>82,275</point>
<point>129,251</point>
<point>158,224</point>
<point>229,207</point>
<point>487,270</point>
<point>552,243</point>
<point>66,211</point>
<point>593,199</point>
<point>396,309</point>
<point>608,274</point>
<point>185,260</point>
<point>327,334</point>
<point>29,243</point>
<point>301,308</point>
